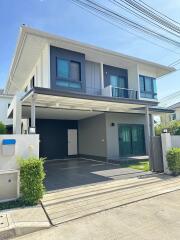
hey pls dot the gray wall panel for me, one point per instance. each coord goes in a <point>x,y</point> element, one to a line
<point>92,136</point>
<point>93,77</point>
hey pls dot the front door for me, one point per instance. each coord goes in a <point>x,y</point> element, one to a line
<point>131,140</point>
<point>72,142</point>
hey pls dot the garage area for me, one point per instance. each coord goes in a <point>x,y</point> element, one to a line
<point>80,171</point>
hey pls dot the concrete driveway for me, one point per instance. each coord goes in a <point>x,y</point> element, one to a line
<point>62,174</point>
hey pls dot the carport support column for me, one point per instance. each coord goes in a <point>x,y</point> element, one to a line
<point>17,114</point>
<point>147,130</point>
<point>33,112</point>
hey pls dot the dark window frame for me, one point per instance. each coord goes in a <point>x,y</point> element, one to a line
<point>69,79</point>
<point>55,82</point>
<point>144,93</point>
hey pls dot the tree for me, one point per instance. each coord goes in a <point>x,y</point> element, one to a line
<point>173,128</point>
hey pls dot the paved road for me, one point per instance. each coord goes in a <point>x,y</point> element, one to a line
<point>157,218</point>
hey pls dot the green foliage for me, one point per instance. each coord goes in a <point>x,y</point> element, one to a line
<point>173,159</point>
<point>2,128</point>
<point>31,179</point>
<point>12,204</point>
<point>158,129</point>
<point>173,128</point>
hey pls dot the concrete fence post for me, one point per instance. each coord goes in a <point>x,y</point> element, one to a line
<point>166,145</point>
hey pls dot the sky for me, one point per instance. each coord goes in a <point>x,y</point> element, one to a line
<point>63,18</point>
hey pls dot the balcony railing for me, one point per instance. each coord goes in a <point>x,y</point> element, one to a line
<point>124,93</point>
<point>117,92</point>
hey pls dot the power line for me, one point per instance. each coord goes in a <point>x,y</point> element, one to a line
<point>159,12</point>
<point>117,18</point>
<point>120,27</point>
<point>145,18</point>
<point>149,13</point>
<point>177,62</point>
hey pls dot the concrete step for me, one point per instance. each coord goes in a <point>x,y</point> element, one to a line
<point>85,189</point>
<point>64,206</point>
<point>140,189</point>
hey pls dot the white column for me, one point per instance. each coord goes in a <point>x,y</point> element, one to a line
<point>33,112</point>
<point>102,75</point>
<point>147,130</point>
<point>17,114</point>
<point>166,145</point>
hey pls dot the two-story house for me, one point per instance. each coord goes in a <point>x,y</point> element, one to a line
<point>82,100</point>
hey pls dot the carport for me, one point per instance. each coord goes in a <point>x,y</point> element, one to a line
<point>80,171</point>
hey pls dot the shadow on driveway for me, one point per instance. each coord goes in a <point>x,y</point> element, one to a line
<point>63,174</point>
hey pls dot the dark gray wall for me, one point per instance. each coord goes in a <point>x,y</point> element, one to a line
<point>156,155</point>
<point>54,137</point>
<point>68,55</point>
<point>92,136</point>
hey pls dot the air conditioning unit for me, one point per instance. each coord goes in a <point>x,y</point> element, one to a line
<point>9,185</point>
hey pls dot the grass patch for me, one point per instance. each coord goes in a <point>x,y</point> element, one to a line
<point>144,166</point>
<point>138,165</point>
<point>12,204</point>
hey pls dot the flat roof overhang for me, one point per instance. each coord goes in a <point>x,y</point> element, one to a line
<point>73,105</point>
<point>53,104</point>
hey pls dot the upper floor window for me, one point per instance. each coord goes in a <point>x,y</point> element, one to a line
<point>173,116</point>
<point>68,73</point>
<point>148,87</point>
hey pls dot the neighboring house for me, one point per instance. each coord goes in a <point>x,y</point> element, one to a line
<point>81,99</point>
<point>5,101</point>
<point>171,102</point>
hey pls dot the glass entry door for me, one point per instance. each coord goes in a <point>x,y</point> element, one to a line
<point>131,139</point>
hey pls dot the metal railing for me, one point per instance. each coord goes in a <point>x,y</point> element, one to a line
<point>109,91</point>
<point>124,93</point>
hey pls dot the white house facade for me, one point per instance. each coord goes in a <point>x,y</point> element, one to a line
<point>81,99</point>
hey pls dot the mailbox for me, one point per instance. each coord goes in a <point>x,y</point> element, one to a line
<point>8,147</point>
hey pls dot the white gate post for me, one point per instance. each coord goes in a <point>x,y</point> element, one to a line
<point>147,130</point>
<point>166,145</point>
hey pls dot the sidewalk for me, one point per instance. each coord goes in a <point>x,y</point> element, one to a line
<point>17,222</point>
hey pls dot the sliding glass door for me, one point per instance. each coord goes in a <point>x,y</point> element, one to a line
<point>118,84</point>
<point>131,139</point>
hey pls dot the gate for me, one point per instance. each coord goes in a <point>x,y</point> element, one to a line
<point>156,155</point>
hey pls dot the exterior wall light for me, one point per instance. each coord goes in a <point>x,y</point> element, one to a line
<point>165,130</point>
